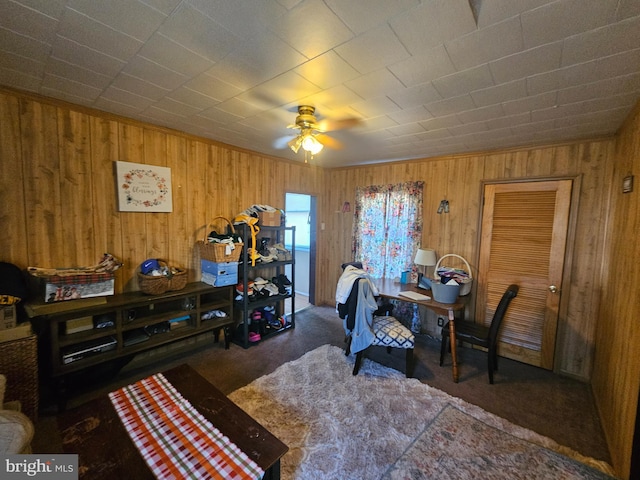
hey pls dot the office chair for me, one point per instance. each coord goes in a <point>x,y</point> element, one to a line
<point>481,335</point>
<point>372,325</point>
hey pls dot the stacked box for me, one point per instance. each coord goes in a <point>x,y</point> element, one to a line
<point>7,316</point>
<point>269,219</point>
<point>70,287</point>
<point>219,274</point>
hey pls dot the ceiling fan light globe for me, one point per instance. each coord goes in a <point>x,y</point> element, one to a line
<point>311,144</point>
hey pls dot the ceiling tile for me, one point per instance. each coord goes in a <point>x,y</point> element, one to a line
<point>377,12</point>
<point>155,74</point>
<point>530,104</point>
<point>410,115</point>
<point>559,20</point>
<point>75,73</point>
<point>138,86</point>
<point>127,98</point>
<point>77,89</point>
<point>432,23</point>
<point>494,11</point>
<point>177,108</point>
<point>602,42</point>
<point>245,17</point>
<point>416,95</point>
<point>85,31</point>
<point>371,84</point>
<point>23,46</point>
<point>327,70</point>
<point>374,107</point>
<point>212,87</point>
<point>373,50</point>
<point>199,33</point>
<point>529,62</point>
<point>164,51</point>
<point>82,56</point>
<point>193,98</point>
<point>628,8</point>
<point>425,67</point>
<point>138,20</point>
<point>312,28</point>
<point>451,105</point>
<point>499,93</point>
<point>481,114</point>
<point>460,83</point>
<point>485,45</point>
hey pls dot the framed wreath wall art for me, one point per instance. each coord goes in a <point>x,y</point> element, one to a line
<point>143,188</point>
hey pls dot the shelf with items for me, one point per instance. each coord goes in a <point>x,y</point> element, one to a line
<point>77,335</point>
<point>264,287</point>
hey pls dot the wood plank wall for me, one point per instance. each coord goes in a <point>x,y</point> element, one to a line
<point>59,208</point>
<point>616,373</point>
<point>58,196</point>
<point>458,179</point>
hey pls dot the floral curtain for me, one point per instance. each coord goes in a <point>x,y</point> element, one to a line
<point>387,227</point>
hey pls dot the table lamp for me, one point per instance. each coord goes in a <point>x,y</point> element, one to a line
<point>425,257</point>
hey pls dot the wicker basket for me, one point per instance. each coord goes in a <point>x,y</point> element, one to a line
<point>157,285</point>
<point>217,252</point>
<point>19,363</point>
<point>465,287</point>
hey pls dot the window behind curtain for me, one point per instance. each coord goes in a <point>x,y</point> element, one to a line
<point>387,227</point>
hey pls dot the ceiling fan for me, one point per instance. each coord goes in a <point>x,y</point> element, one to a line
<point>311,136</point>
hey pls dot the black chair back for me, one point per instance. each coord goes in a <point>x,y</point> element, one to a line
<point>510,294</point>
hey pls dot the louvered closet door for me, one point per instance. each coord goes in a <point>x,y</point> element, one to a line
<point>524,231</point>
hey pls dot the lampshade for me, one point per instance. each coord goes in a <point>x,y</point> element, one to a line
<point>425,257</point>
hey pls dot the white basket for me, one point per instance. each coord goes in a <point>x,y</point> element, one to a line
<point>465,287</point>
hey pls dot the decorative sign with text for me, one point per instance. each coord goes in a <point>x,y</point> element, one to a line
<point>143,188</point>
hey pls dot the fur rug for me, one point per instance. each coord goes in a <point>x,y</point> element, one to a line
<point>338,426</point>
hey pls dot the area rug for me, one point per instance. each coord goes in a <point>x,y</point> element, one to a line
<point>380,424</point>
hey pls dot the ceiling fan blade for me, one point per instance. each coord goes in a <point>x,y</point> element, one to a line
<point>282,142</point>
<point>330,142</point>
<point>327,125</point>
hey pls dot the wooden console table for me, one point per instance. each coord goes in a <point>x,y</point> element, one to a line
<point>391,289</point>
<point>105,451</point>
<point>77,334</point>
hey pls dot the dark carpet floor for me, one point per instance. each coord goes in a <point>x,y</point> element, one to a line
<point>557,407</point>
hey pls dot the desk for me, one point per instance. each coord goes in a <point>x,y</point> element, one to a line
<point>105,450</point>
<point>390,289</point>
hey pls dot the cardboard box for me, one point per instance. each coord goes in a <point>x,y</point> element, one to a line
<point>58,288</point>
<point>21,331</point>
<point>269,219</point>
<point>8,316</point>
<point>219,274</point>
<point>76,325</point>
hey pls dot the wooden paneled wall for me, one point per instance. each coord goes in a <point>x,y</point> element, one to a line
<point>459,180</point>
<point>58,195</point>
<point>616,372</point>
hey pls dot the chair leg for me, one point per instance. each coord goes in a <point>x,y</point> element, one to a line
<point>356,367</point>
<point>490,364</point>
<point>409,366</point>
<point>347,350</point>
<point>443,347</point>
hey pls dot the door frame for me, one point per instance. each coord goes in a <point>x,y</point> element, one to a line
<point>563,307</point>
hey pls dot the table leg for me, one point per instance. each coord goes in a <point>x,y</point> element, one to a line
<point>452,339</point>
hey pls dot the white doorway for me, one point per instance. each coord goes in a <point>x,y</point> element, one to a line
<point>300,212</point>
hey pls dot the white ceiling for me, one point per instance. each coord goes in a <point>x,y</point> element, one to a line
<point>424,76</point>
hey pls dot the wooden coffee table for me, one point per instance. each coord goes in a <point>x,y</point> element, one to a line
<point>105,450</point>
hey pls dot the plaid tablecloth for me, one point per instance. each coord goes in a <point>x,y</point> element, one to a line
<point>174,439</point>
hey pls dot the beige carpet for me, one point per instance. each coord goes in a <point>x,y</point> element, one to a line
<point>338,426</point>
